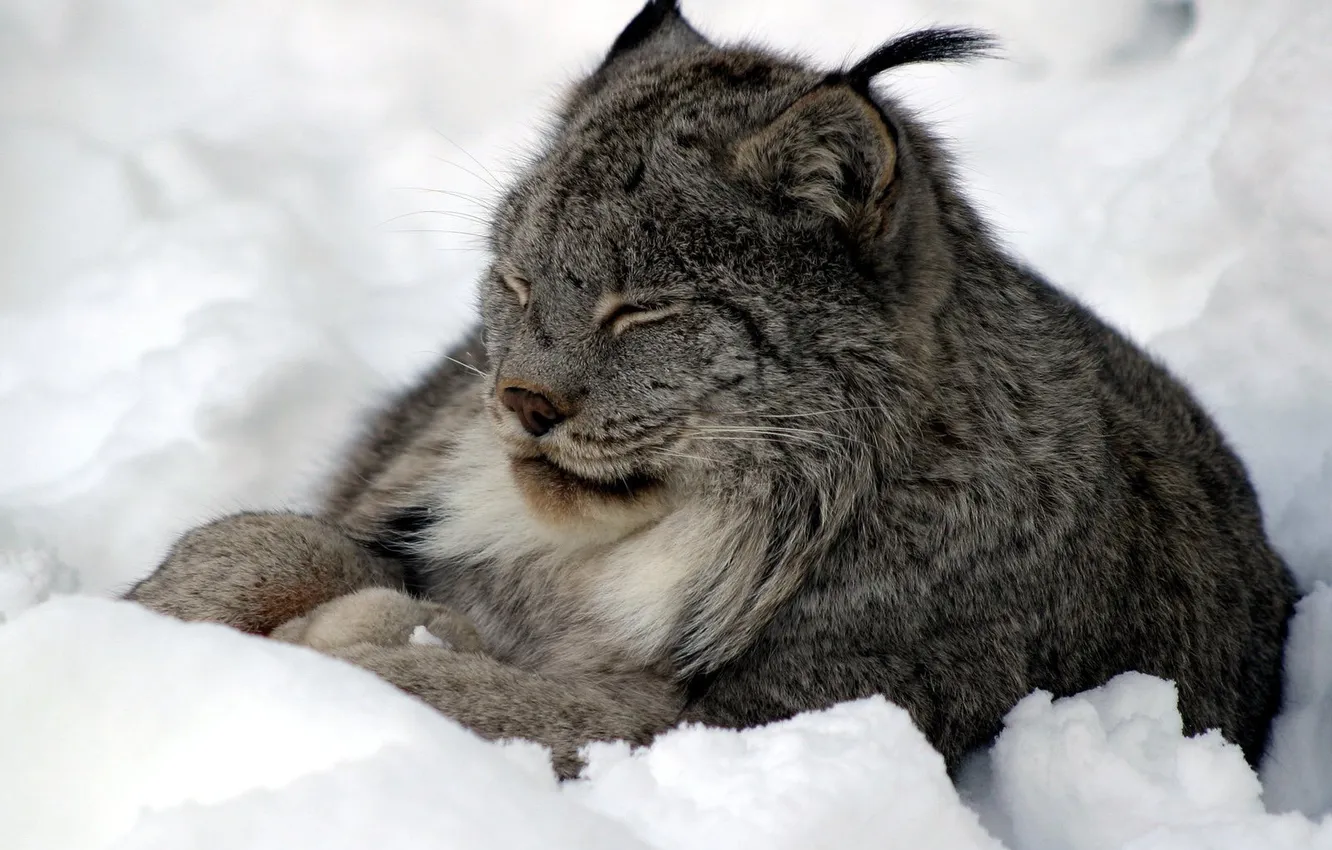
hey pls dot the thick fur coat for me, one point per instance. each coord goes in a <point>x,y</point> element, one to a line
<point>760,418</point>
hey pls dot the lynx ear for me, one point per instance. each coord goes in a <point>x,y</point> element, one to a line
<point>658,29</point>
<point>830,151</point>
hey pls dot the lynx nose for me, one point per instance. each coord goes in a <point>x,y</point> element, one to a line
<point>537,412</point>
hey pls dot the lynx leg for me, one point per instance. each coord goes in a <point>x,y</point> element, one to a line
<point>499,701</point>
<point>382,616</point>
<point>256,571</point>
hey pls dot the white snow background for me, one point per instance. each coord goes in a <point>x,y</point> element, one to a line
<point>209,266</point>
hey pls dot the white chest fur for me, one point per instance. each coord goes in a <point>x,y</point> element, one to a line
<point>622,573</point>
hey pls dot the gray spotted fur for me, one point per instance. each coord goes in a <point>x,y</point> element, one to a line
<point>862,451</point>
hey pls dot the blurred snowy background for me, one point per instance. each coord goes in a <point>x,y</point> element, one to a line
<point>226,228</point>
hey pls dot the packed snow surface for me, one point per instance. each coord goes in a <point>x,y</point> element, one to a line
<point>229,227</point>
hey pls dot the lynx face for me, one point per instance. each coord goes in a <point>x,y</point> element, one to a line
<point>684,278</point>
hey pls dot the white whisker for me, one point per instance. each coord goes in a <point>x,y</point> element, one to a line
<point>777,430</point>
<point>495,181</point>
<point>455,213</point>
<point>672,453</point>
<point>469,367</point>
<point>491,182</point>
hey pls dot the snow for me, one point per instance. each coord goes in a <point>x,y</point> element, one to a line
<point>843,778</point>
<point>1112,765</point>
<point>1297,773</point>
<point>127,729</point>
<point>203,734</point>
<point>29,576</point>
<point>421,636</point>
<point>213,256</point>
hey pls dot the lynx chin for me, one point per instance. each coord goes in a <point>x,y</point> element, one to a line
<point>760,418</point>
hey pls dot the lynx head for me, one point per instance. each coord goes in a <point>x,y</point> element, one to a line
<point>712,268</point>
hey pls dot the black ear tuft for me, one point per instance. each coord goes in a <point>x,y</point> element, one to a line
<point>644,24</point>
<point>658,20</point>
<point>941,44</point>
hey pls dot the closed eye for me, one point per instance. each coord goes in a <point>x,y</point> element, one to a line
<point>620,316</point>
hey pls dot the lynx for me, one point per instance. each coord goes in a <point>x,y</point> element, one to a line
<point>760,418</point>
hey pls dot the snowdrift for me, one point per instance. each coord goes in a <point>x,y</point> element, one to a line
<point>130,730</point>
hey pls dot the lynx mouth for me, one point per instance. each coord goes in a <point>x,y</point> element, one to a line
<point>560,481</point>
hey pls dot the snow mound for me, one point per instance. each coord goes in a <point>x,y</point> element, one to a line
<point>126,729</point>
<point>844,778</point>
<point>1297,774</point>
<point>166,734</point>
<point>124,726</point>
<point>1112,766</point>
<point>29,576</point>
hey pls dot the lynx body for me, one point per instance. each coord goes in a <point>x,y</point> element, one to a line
<point>763,420</point>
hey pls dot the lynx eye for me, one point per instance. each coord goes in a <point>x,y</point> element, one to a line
<point>519,286</point>
<point>620,316</point>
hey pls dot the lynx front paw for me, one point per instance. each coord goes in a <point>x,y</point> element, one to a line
<point>256,571</point>
<point>381,617</point>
